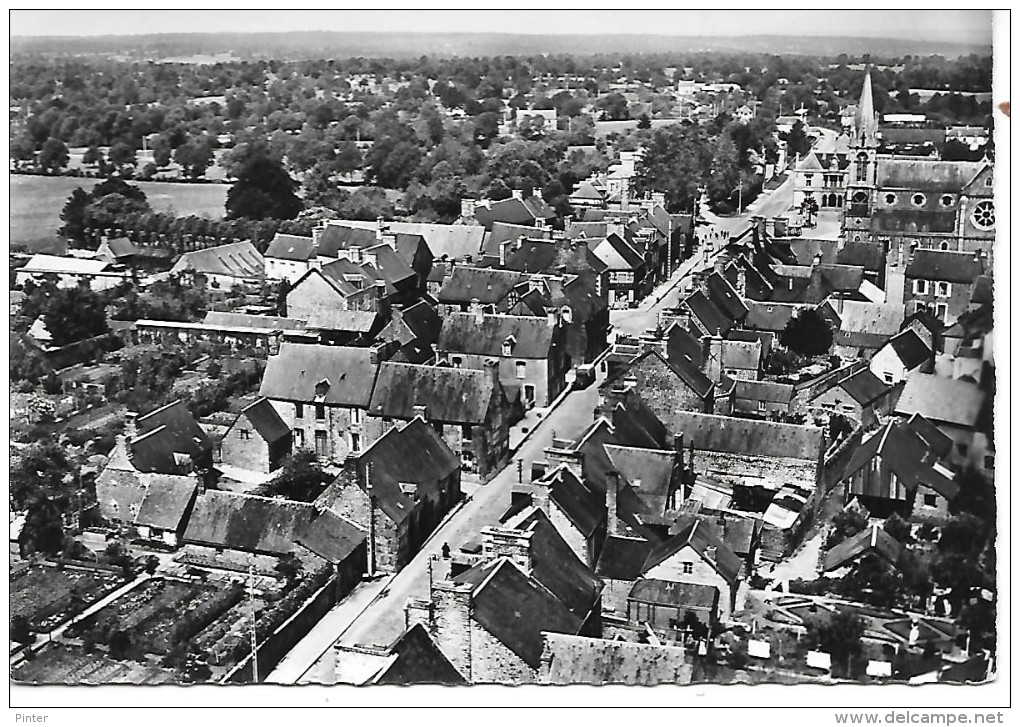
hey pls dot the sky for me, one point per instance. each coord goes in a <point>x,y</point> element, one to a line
<point>971,26</point>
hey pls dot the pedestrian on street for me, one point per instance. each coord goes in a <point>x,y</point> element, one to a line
<point>446,551</point>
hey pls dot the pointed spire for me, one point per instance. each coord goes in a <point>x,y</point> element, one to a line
<point>866,121</point>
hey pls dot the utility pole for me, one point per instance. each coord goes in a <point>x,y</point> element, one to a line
<point>254,636</point>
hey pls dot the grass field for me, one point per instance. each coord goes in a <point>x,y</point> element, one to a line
<point>36,202</point>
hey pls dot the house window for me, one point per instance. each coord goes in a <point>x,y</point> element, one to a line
<point>930,501</point>
<point>320,443</point>
<point>320,412</point>
<point>456,361</point>
<point>299,438</point>
<point>942,290</point>
<point>244,433</point>
<point>529,393</point>
<point>508,345</point>
<point>299,411</point>
<point>809,179</point>
<point>961,447</point>
<point>688,567</point>
<point>761,407</point>
<point>918,200</point>
<point>944,246</point>
<point>521,368</point>
<point>887,377</point>
<point>920,287</point>
<point>465,432</point>
<point>941,311</point>
<point>355,415</point>
<point>355,442</point>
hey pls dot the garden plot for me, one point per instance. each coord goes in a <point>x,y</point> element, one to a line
<point>47,596</point>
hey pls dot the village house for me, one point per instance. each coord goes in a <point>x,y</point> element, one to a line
<point>258,439</point>
<point>895,471</point>
<point>495,290</point>
<point>515,210</point>
<point>630,277</point>
<point>666,387</point>
<point>413,332</point>
<point>322,394</point>
<point>223,266</point>
<point>413,658</point>
<point>570,659</point>
<point>761,399</point>
<point>872,540</point>
<point>858,395</point>
<point>69,272</point>
<point>941,281</point>
<point>531,351</point>
<point>236,532</point>
<point>576,511</point>
<point>959,408</point>
<point>461,243</point>
<point>468,408</point>
<point>397,491</point>
<point>904,353</point>
<point>489,619</point>
<point>865,327</point>
<point>334,287</point>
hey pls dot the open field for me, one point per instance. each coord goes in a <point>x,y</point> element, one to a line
<point>36,202</point>
<point>43,594</point>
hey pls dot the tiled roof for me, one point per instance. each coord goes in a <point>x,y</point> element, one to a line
<point>937,440</point>
<point>906,220</point>
<point>415,659</point>
<point>334,319</point>
<point>685,370</point>
<point>623,558</point>
<point>648,471</point>
<point>531,337</point>
<point>864,387</point>
<point>741,354</point>
<point>298,369</point>
<point>683,345</point>
<point>506,232</point>
<point>163,432</point>
<point>617,253</point>
<point>451,395</point>
<point>725,297</point>
<point>768,391</point>
<point>513,211</point>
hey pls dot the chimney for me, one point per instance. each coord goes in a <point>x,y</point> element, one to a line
<point>742,281</point>
<point>710,553</point>
<point>418,610</point>
<point>676,477</point>
<point>517,194</point>
<point>492,366</point>
<point>503,246</point>
<point>451,618</point>
<point>567,221</point>
<point>780,226</point>
<point>419,412</point>
<point>520,242</point>
<point>816,260</point>
<point>703,285</point>
<point>374,354</point>
<point>130,425</point>
<point>477,311</point>
<point>509,542</point>
<point>612,520</point>
<point>552,318</point>
<point>467,208</point>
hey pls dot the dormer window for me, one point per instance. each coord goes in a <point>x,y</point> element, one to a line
<point>321,389</point>
<point>508,345</point>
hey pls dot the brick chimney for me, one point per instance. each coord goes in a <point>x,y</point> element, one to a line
<point>552,318</point>
<point>467,208</point>
<point>130,425</point>
<point>503,247</point>
<point>676,476</point>
<point>419,411</point>
<point>477,311</point>
<point>713,366</point>
<point>742,281</point>
<point>418,610</point>
<point>612,519</point>
<point>509,542</point>
<point>492,367</point>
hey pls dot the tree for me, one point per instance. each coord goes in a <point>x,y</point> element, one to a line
<point>289,568</point>
<point>21,630</point>
<point>92,155</point>
<point>161,151</point>
<point>151,564</point>
<point>898,528</point>
<point>963,534</point>
<point>22,149</point>
<point>195,156</point>
<point>300,478</point>
<point>808,334</point>
<point>725,180</point>
<point>74,314</point>
<point>366,203</point>
<point>348,158</point>
<point>53,156</point>
<point>73,216</point>
<point>676,163</point>
<point>838,634</point>
<point>846,524</point>
<point>263,190</point>
<point>797,141</point>
<point>644,122</point>
<point>613,106</point>
<point>122,155</point>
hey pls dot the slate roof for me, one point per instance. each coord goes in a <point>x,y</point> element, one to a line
<point>623,558</point>
<point>873,539</point>
<point>450,395</point>
<point>648,471</point>
<point>725,297</point>
<point>868,255</point>
<point>910,348</point>
<point>713,320</point>
<point>291,247</point>
<point>925,175</point>
<point>488,285</point>
<point>982,291</point>
<point>741,354</point>
<point>685,370</point>
<point>333,238</point>
<point>164,431</point>
<point>513,211</point>
<point>533,337</point>
<point>586,660</point>
<point>245,320</point>
<point>906,454</point>
<point>937,440</point>
<point>333,319</point>
<point>944,265</point>
<point>875,318</point>
<point>768,391</point>
<point>121,247</point>
<point>742,436</point>
<point>636,425</point>
<point>701,539</point>
<point>236,259</point>
<point>584,508</point>
<point>683,345</point>
<point>595,230</point>
<point>670,593</point>
<point>506,232</point>
<point>913,220</point>
<point>454,242</point>
<point>265,420</point>
<point>293,374</point>
<point>864,387</point>
<point>269,526</point>
<point>769,316</point>
<point>939,399</point>
<point>166,502</point>
<point>415,659</point>
<point>516,609</point>
<point>617,253</point>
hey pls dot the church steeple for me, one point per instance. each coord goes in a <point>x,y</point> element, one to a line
<point>866,120</point>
